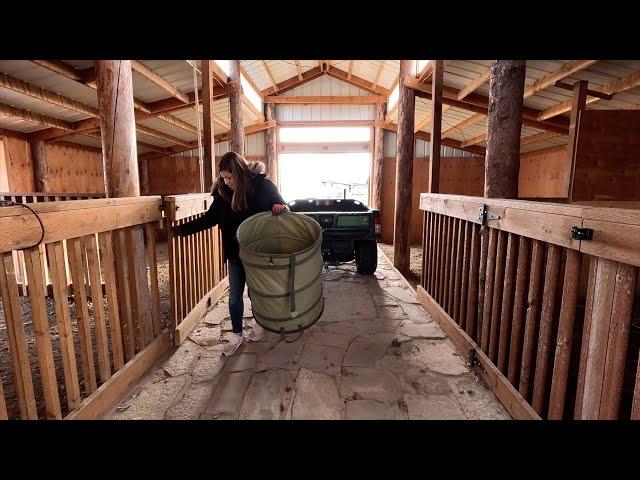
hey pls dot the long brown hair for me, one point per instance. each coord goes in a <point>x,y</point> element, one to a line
<point>237,166</point>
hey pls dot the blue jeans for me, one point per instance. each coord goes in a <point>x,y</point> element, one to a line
<point>237,280</point>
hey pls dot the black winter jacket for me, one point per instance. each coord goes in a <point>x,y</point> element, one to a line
<point>262,197</point>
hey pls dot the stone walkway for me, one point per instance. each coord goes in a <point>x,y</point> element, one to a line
<point>374,354</point>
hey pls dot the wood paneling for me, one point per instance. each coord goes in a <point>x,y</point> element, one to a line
<point>74,170</point>
<point>608,156</point>
<point>458,175</point>
<point>544,174</point>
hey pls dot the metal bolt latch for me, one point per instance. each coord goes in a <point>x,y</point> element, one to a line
<point>578,233</point>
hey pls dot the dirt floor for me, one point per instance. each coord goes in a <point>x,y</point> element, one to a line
<point>415,263</point>
<point>7,374</point>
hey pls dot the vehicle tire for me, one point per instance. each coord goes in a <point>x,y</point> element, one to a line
<point>366,257</point>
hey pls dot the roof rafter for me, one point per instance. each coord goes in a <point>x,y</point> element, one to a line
<point>266,69</point>
<point>153,77</point>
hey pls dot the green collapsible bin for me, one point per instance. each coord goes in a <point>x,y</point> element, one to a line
<point>283,264</point>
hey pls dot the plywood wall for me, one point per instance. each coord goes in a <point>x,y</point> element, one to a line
<point>544,174</point>
<point>19,169</point>
<point>460,176</point>
<point>74,169</point>
<point>607,164</point>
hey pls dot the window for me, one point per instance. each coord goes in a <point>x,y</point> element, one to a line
<point>393,98</point>
<point>325,134</point>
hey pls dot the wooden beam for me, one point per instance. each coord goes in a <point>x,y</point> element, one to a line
<point>298,70</point>
<point>474,84</point>
<point>357,81</point>
<point>328,100</point>
<point>374,85</point>
<point>208,142</point>
<point>162,136</point>
<point>474,140</point>
<point>564,71</point>
<point>172,104</point>
<point>176,122</point>
<point>321,65</point>
<point>464,124</point>
<point>480,104</point>
<point>9,111</point>
<point>391,112</point>
<point>293,82</point>
<point>148,146</point>
<point>266,69</point>
<point>425,121</point>
<point>236,100</point>
<point>436,127</point>
<point>257,114</point>
<point>153,77</point>
<point>579,104</point>
<point>404,171</point>
<point>426,72</point>
<point>349,73</point>
<point>617,86</point>
<point>538,137</point>
<point>118,128</point>
<point>251,82</point>
<point>24,88</point>
<point>504,124</point>
<point>592,93</point>
<point>326,123</point>
<point>60,68</point>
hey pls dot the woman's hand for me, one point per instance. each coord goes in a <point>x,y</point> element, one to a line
<point>278,208</point>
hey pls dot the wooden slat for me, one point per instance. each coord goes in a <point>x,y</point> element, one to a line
<point>543,355</point>
<point>17,339</point>
<point>140,293</point>
<point>507,303</point>
<point>105,241</point>
<point>432,244</point>
<point>488,289</point>
<point>102,341</point>
<point>614,367</point>
<point>519,308</point>
<point>517,406</point>
<point>473,294</point>
<point>455,240</point>
<point>74,251</point>
<point>457,272</point>
<point>173,278</point>
<point>436,270</point>
<point>448,243</point>
<point>531,320</point>
<point>111,392</point>
<point>496,302</point>
<point>565,335</point>
<point>152,261</point>
<point>464,278</point>
<point>586,331</point>
<point>482,280</point>
<point>124,298</point>
<point>604,291</point>
<point>37,300</point>
<point>67,351</point>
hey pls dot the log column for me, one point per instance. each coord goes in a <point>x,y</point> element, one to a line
<point>236,141</point>
<point>40,169</point>
<point>404,170</point>
<point>378,158</point>
<point>506,88</point>
<point>208,140</point>
<point>271,144</point>
<point>436,126</point>
<point>121,177</point>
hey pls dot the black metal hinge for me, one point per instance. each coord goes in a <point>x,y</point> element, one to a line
<point>485,215</point>
<point>578,233</point>
<point>472,360</point>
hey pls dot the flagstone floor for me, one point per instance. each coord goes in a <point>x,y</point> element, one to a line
<point>374,354</point>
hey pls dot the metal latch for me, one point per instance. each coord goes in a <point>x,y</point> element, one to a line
<point>485,215</point>
<point>578,233</point>
<point>205,204</point>
<point>473,361</point>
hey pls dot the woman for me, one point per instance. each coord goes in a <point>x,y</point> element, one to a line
<point>237,194</point>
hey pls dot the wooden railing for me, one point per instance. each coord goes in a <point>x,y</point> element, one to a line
<point>548,320</point>
<point>28,198</point>
<point>197,271</point>
<point>98,347</point>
